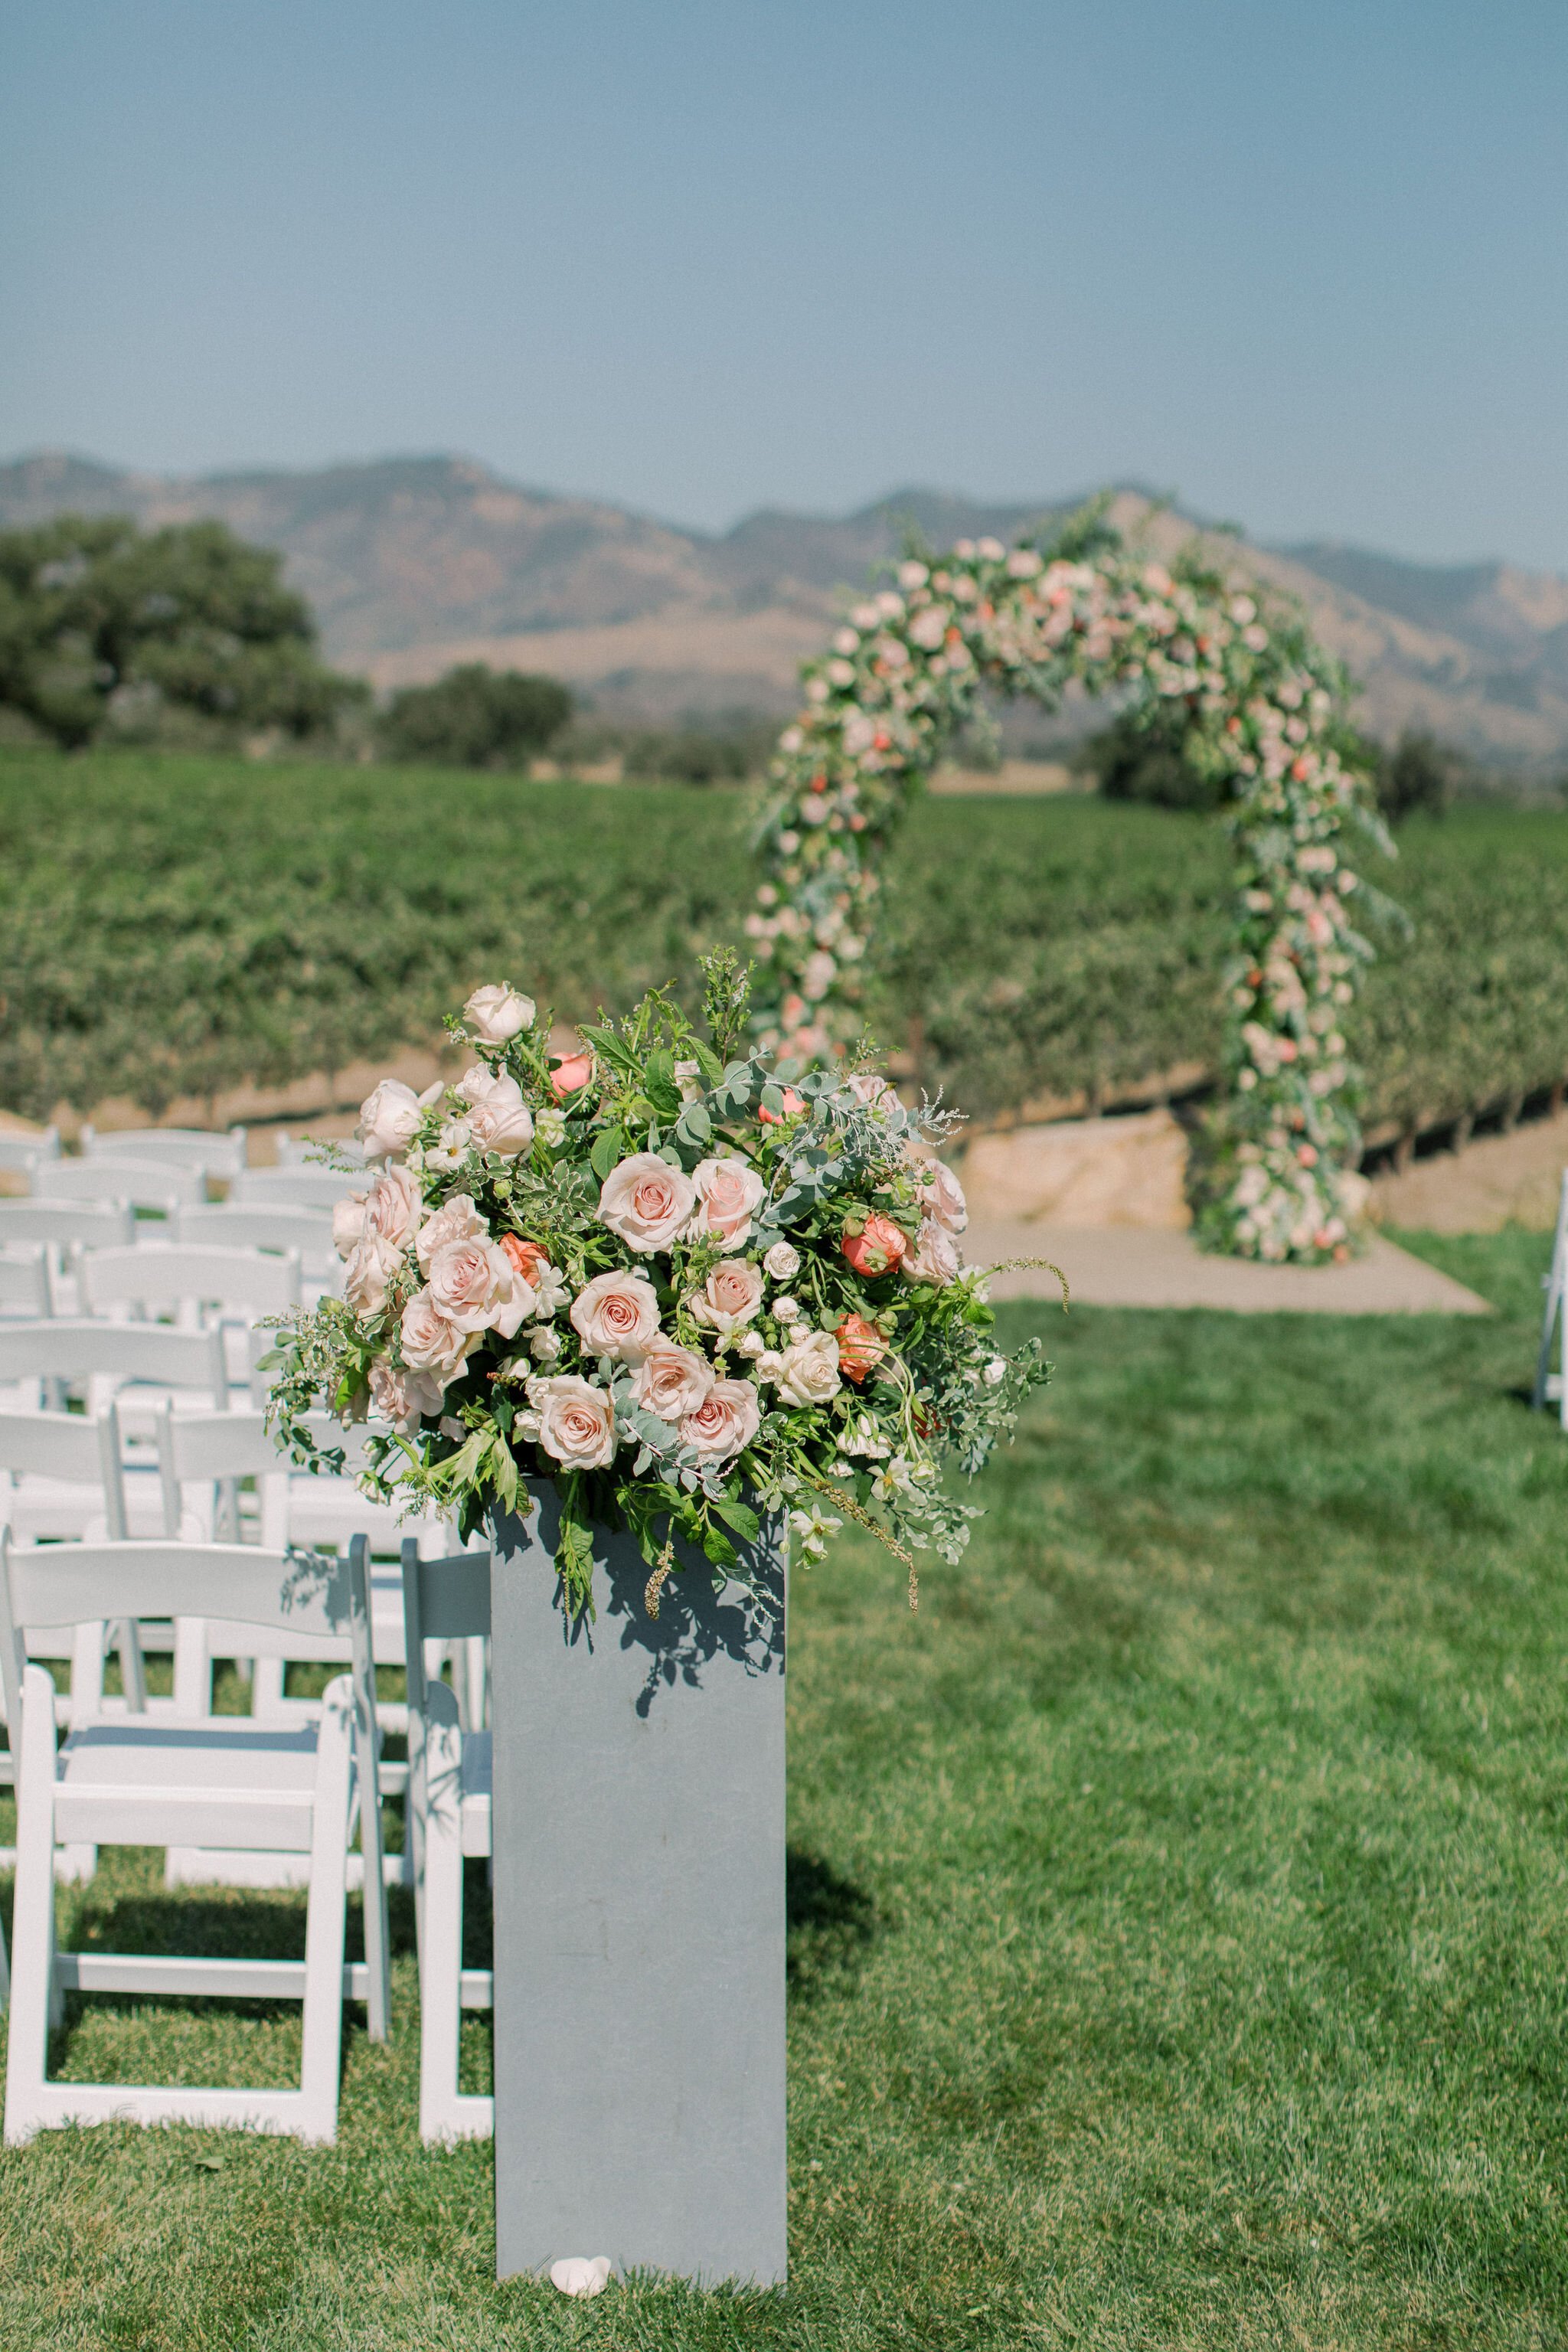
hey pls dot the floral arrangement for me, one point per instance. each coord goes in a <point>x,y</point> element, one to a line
<point>1263,706</point>
<point>652,1273</point>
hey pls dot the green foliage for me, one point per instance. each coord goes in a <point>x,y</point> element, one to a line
<point>1176,1933</point>
<point>100,622</point>
<point>475,716</point>
<point>1419,776</point>
<point>1141,756</point>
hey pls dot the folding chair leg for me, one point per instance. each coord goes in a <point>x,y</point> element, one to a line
<point>444,2111</point>
<point>325,1919</point>
<point>33,1992</point>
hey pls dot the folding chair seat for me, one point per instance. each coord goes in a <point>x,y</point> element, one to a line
<point>59,1226</point>
<point>145,1183</point>
<point>25,1288</point>
<point>194,1285</point>
<point>22,1147</point>
<point>209,1153</point>
<point>306,1234</point>
<point>193,1781</point>
<point>449,1781</point>
<point>295,1188</point>
<point>136,1366</point>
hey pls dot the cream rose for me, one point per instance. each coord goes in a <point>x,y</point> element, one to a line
<point>430,1343</point>
<point>934,1258</point>
<point>725,1421</point>
<point>616,1314</point>
<point>576,1420</point>
<point>395,1207</point>
<point>348,1221</point>
<point>941,1196</point>
<point>808,1370</point>
<point>729,1298</point>
<point>672,1381</point>
<point>646,1201</point>
<point>403,1398</point>
<point>497,1013</point>
<point>783,1262</point>
<point>388,1117</point>
<point>729,1192</point>
<point>476,1287</point>
<point>498,1118</point>
<point>457,1221</point>
<point>371,1264</point>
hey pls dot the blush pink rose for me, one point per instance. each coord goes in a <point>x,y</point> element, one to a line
<point>934,1258</point>
<point>457,1221</point>
<point>876,1247</point>
<point>395,1207</point>
<point>646,1201</point>
<point>403,1398</point>
<point>497,1012</point>
<point>348,1221</point>
<point>475,1287</point>
<point>729,1192</point>
<point>941,1196</point>
<point>725,1423</point>
<point>431,1343</point>
<point>616,1314</point>
<point>731,1296</point>
<point>498,1118</point>
<point>388,1117</point>
<point>576,1420</point>
<point>367,1278</point>
<point>672,1381</point>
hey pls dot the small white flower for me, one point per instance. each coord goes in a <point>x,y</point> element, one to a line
<point>995,1372</point>
<point>543,1345</point>
<point>451,1147</point>
<point>864,1438</point>
<point>782,1262</point>
<point>550,1126</point>
<point>892,1479</point>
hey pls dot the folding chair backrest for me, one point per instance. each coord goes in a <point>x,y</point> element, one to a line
<point>260,1603</point>
<point>209,1153</point>
<point>98,1225</point>
<point>300,1150</point>
<point>443,1601</point>
<point>147,1184</point>
<point>23,1148</point>
<point>75,1447</point>
<point>229,1225</point>
<point>166,1274</point>
<point>25,1282</point>
<point>218,1449</point>
<point>73,1350</point>
<point>299,1188</point>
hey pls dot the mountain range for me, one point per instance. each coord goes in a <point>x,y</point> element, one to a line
<point>413,563</point>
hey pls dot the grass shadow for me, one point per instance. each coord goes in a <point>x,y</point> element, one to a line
<point>832,1925</point>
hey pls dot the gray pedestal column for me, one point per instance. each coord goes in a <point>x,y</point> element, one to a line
<point>640,1918</point>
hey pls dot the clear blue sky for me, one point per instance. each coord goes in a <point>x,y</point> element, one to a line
<point>1305,264</point>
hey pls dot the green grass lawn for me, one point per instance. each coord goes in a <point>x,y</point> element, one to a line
<point>1180,1917</point>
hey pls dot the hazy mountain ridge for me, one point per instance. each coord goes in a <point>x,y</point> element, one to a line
<point>412,563</point>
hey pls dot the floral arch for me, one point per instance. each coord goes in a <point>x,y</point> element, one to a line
<point>1263,711</point>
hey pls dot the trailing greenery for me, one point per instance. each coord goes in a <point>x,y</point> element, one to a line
<point>1177,1938</point>
<point>176,926</point>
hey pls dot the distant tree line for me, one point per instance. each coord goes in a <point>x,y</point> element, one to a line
<point>1140,759</point>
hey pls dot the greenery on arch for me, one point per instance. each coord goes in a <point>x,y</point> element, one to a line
<point>1229,675</point>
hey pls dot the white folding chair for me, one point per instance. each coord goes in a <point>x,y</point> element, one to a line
<point>449,1775</point>
<point>135,1365</point>
<point>23,1148</point>
<point>300,1150</point>
<point>61,1225</point>
<point>205,1151</point>
<point>194,1781</point>
<point>295,1188</point>
<point>232,1287</point>
<point>145,1183</point>
<point>26,1288</point>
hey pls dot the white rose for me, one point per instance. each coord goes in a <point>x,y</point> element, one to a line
<point>476,1287</point>
<point>646,1201</point>
<point>934,1258</point>
<point>499,1118</point>
<point>388,1117</point>
<point>672,1381</point>
<point>543,1345</point>
<point>403,1398</point>
<point>457,1221</point>
<point>395,1207</point>
<point>725,1421</point>
<point>941,1196</point>
<point>783,1262</point>
<point>430,1343</point>
<point>750,1343</point>
<point>348,1222</point>
<point>729,1298</point>
<point>808,1370</point>
<point>616,1314</point>
<point>576,1420</point>
<point>371,1264</point>
<point>787,1311</point>
<point>497,1013</point>
<point>730,1192</point>
<point>770,1367</point>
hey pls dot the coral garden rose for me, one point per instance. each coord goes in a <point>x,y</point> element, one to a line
<point>941,1196</point>
<point>729,1192</point>
<point>792,1106</point>
<point>725,1423</point>
<point>934,1258</point>
<point>808,1370</point>
<point>497,1013</point>
<point>401,1396</point>
<point>672,1381</point>
<point>731,1296</point>
<point>367,1278</point>
<point>457,1221</point>
<point>528,1259</point>
<point>616,1314</point>
<point>646,1201</point>
<point>861,1347</point>
<point>877,1248</point>
<point>395,1207</point>
<point>576,1420</point>
<point>571,1075</point>
<point>431,1343</point>
<point>498,1118</point>
<point>388,1118</point>
<point>475,1287</point>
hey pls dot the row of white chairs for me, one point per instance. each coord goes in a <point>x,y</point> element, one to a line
<point>210,1152</point>
<point>164,1185</point>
